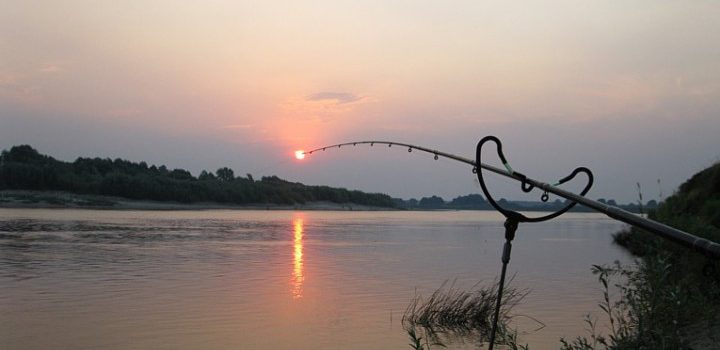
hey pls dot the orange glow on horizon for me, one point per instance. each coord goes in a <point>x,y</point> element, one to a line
<point>299,154</point>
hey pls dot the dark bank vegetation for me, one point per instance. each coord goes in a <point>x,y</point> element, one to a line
<point>24,168</point>
<point>671,298</point>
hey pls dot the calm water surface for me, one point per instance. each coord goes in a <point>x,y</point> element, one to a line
<point>83,279</point>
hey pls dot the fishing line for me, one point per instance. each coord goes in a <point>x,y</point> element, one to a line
<point>513,218</point>
<point>709,248</point>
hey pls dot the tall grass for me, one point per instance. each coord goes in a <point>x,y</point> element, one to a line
<point>450,313</point>
<point>646,308</point>
<point>670,299</point>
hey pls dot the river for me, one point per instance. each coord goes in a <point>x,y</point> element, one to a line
<point>243,279</point>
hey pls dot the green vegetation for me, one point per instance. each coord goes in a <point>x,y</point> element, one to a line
<point>421,342</point>
<point>671,299</point>
<point>695,208</point>
<point>450,313</point>
<point>24,168</point>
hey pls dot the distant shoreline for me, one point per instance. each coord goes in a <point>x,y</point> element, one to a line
<point>65,200</point>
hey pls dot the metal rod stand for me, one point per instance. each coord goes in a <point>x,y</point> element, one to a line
<point>511,225</point>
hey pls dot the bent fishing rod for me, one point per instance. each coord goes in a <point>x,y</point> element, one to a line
<point>514,218</point>
<point>704,246</point>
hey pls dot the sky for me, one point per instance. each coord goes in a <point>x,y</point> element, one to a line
<point>630,89</point>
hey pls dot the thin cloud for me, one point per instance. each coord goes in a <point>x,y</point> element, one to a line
<point>8,79</point>
<point>51,68</point>
<point>238,126</point>
<point>337,97</point>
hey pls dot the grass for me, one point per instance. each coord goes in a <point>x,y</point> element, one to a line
<point>645,308</point>
<point>674,294</point>
<point>669,299</point>
<point>421,342</point>
<point>450,313</point>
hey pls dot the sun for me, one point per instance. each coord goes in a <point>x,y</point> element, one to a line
<point>299,154</point>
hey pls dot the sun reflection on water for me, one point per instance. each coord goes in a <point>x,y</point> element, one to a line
<point>297,276</point>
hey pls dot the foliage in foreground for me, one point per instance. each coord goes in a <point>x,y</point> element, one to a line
<point>453,313</point>
<point>671,299</point>
<point>695,208</point>
<point>644,309</point>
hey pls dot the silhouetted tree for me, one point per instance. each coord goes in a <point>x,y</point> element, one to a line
<point>206,176</point>
<point>472,201</point>
<point>433,202</point>
<point>225,174</point>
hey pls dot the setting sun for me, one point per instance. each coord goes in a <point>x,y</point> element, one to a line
<point>300,154</point>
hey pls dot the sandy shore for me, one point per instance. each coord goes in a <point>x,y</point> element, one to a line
<point>47,199</point>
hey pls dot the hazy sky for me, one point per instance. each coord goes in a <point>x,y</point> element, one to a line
<point>630,89</point>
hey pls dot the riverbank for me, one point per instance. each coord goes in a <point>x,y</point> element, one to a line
<point>670,299</point>
<point>57,200</point>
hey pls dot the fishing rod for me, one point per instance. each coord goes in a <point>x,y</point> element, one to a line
<point>707,247</point>
<point>514,218</point>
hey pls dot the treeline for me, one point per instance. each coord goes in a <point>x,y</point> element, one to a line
<point>469,202</point>
<point>477,202</point>
<point>24,168</point>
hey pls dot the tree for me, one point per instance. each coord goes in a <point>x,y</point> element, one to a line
<point>433,202</point>
<point>206,176</point>
<point>181,174</point>
<point>225,174</point>
<point>24,154</point>
<point>472,201</point>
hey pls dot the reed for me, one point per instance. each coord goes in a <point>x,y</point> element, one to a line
<point>450,312</point>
